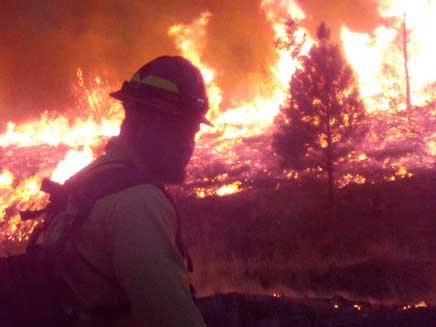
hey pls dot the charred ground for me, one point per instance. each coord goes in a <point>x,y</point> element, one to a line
<point>236,310</point>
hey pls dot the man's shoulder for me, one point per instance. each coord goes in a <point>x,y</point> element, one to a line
<point>138,207</point>
<point>145,195</point>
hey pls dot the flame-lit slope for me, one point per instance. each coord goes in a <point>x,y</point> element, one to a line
<point>58,146</point>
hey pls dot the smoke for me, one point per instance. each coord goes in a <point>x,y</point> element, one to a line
<point>43,43</point>
<point>358,15</point>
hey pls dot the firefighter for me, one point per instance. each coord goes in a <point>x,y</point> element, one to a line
<point>127,266</point>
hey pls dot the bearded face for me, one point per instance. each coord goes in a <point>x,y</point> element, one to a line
<point>167,147</point>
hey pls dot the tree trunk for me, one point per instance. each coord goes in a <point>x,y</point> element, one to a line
<point>329,157</point>
<point>406,63</point>
<point>331,180</point>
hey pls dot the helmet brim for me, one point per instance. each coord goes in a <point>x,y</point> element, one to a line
<point>121,96</point>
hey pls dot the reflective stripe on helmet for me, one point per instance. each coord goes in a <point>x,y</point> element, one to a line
<point>156,81</point>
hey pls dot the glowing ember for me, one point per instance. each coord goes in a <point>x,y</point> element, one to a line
<point>419,305</point>
<point>357,307</point>
<point>223,190</point>
<point>229,189</point>
<point>350,178</point>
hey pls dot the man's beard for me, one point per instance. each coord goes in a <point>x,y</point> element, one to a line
<point>168,171</point>
<point>173,175</point>
<point>166,164</point>
<point>176,179</point>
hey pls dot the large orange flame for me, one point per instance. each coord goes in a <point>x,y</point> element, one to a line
<point>383,60</point>
<point>367,53</point>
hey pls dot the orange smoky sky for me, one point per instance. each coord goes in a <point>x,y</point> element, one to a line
<point>43,42</point>
<point>357,15</point>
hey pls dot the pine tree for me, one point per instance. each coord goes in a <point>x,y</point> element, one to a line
<point>324,116</point>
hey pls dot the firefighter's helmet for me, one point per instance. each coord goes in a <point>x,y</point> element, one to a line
<point>168,84</point>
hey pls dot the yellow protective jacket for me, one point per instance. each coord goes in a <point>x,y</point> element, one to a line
<point>129,236</point>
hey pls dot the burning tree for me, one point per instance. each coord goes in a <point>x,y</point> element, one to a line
<point>324,116</point>
<point>403,122</point>
<point>396,71</point>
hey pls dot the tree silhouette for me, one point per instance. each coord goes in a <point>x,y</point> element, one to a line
<point>324,115</point>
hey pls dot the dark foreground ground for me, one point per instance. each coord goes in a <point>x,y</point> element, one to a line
<point>379,246</point>
<point>235,310</point>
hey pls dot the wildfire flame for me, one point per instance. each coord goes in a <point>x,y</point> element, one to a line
<point>245,118</point>
<point>100,117</point>
<point>367,53</point>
